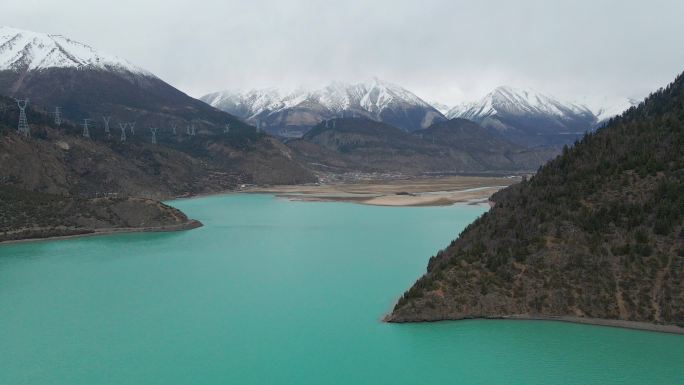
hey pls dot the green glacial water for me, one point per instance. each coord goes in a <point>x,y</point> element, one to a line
<point>274,292</point>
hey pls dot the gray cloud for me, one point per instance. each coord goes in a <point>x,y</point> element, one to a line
<point>444,50</point>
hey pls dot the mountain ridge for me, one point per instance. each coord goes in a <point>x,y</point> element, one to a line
<point>455,146</point>
<point>174,144</point>
<point>27,50</point>
<point>528,117</point>
<point>302,109</point>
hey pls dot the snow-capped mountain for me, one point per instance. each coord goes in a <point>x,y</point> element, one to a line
<point>528,117</point>
<point>179,144</point>
<point>53,70</point>
<point>615,108</point>
<point>301,109</point>
<point>22,50</point>
<point>516,101</point>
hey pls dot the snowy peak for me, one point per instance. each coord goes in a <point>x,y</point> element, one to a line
<point>22,50</point>
<point>251,101</point>
<point>380,95</point>
<point>528,117</point>
<point>514,101</point>
<point>372,97</point>
<point>377,99</point>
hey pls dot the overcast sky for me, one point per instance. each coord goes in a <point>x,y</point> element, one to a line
<point>444,50</point>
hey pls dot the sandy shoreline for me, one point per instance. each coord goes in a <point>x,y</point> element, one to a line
<point>442,191</point>
<point>191,224</point>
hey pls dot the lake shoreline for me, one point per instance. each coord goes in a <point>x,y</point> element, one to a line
<point>191,224</point>
<point>408,192</point>
<point>620,324</point>
<point>325,273</point>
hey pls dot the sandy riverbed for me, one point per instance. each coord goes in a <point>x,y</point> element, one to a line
<point>428,191</point>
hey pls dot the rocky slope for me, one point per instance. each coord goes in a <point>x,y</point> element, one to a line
<point>58,183</point>
<point>492,151</point>
<point>59,160</point>
<point>294,113</point>
<point>598,232</point>
<point>456,146</point>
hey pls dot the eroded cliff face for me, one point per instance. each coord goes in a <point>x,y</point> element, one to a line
<point>598,232</point>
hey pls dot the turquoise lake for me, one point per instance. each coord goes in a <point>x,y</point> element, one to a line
<point>273,292</point>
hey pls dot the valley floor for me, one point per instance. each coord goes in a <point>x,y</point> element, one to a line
<point>419,191</point>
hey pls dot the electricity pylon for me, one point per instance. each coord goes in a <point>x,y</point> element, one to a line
<point>106,125</point>
<point>86,129</point>
<point>23,126</point>
<point>58,116</point>
<point>123,126</point>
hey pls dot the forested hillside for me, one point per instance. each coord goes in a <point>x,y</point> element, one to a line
<point>598,232</point>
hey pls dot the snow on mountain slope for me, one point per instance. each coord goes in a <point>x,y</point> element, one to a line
<point>377,100</point>
<point>516,101</point>
<point>336,97</point>
<point>528,117</point>
<point>52,70</point>
<point>610,110</point>
<point>22,50</point>
<point>441,107</point>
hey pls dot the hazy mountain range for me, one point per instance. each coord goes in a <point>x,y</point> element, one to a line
<point>29,59</point>
<point>524,116</point>
<point>509,128</point>
<point>290,113</point>
<point>180,145</point>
